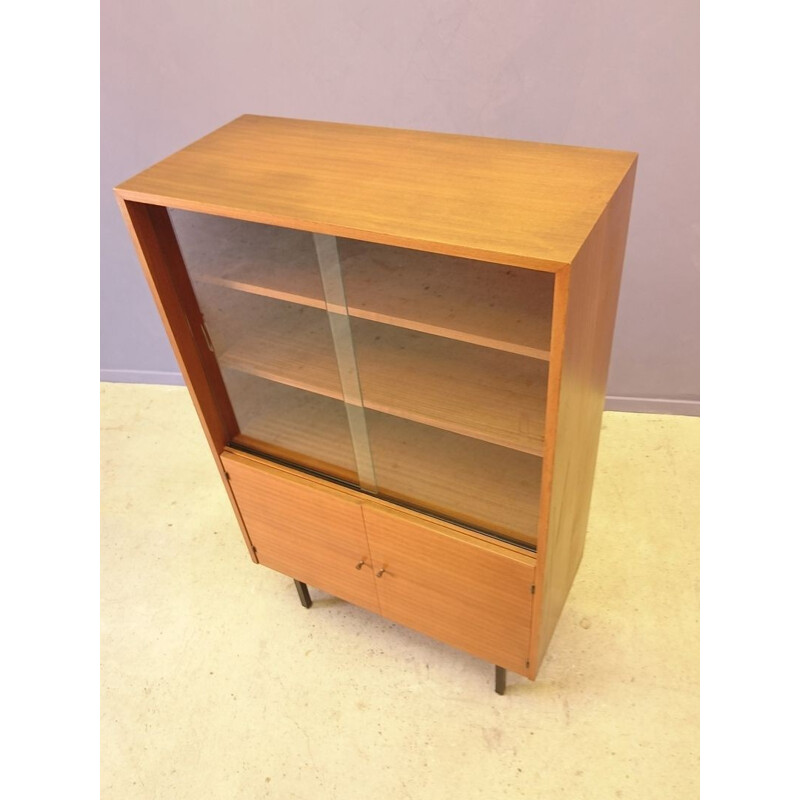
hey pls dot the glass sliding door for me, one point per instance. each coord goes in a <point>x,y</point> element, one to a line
<point>452,357</point>
<point>416,377</point>
<point>260,293</point>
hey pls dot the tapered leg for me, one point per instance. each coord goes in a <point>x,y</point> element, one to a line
<point>500,680</point>
<point>302,591</point>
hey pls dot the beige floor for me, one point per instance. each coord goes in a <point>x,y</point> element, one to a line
<point>216,683</point>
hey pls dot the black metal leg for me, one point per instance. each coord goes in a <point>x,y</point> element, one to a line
<point>500,680</point>
<point>302,591</point>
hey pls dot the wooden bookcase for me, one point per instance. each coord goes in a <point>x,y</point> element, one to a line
<point>397,344</point>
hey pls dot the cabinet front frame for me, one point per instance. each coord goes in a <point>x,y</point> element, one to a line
<point>173,294</point>
<point>159,255</point>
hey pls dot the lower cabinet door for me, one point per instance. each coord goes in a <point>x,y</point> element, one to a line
<point>309,531</point>
<point>462,590</point>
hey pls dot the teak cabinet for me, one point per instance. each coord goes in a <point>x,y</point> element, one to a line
<point>397,343</point>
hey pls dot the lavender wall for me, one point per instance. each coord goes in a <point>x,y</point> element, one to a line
<point>603,73</point>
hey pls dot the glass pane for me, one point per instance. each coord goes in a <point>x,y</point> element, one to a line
<point>336,303</point>
<point>452,358</point>
<point>261,296</point>
<point>466,480</point>
<point>506,308</point>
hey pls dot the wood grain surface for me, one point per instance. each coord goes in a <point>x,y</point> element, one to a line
<point>165,272</point>
<point>484,386</point>
<point>511,202</point>
<point>303,428</point>
<point>494,396</point>
<point>464,479</point>
<point>306,530</point>
<point>586,305</point>
<point>473,598</point>
<point>505,308</point>
<point>450,584</point>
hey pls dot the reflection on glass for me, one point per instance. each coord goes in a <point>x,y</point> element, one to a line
<point>459,478</point>
<point>417,377</point>
<point>452,358</point>
<point>261,297</point>
<point>331,273</point>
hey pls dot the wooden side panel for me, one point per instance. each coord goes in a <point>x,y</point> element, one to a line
<point>304,529</point>
<point>590,289</point>
<point>160,258</point>
<point>469,594</point>
<point>165,272</point>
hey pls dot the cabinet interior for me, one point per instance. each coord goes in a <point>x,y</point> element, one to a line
<point>451,359</point>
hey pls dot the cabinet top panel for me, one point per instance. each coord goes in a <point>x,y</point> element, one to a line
<point>512,202</point>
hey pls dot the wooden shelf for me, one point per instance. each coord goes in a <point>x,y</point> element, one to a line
<point>474,391</point>
<point>249,257</point>
<point>505,308</point>
<point>456,477</point>
<point>292,425</point>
